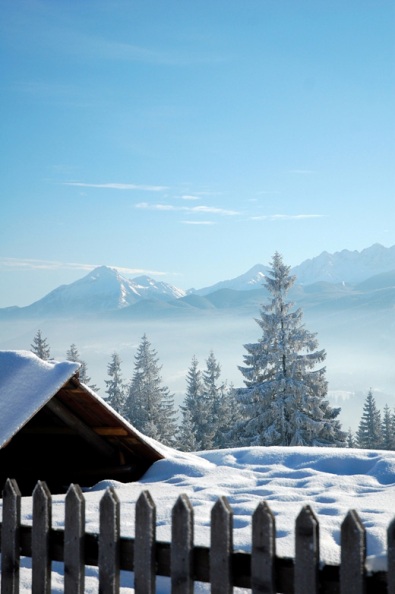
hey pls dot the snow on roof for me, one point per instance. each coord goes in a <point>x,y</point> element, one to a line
<point>27,383</point>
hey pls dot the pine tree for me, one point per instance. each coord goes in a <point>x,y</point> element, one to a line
<point>149,404</point>
<point>194,415</point>
<point>209,410</point>
<point>40,346</point>
<point>350,439</point>
<point>186,438</point>
<point>115,386</point>
<point>229,416</point>
<point>284,401</point>
<point>369,434</point>
<point>73,355</point>
<point>387,429</point>
<point>220,404</point>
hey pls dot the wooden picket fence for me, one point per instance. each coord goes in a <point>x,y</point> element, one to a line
<point>184,563</point>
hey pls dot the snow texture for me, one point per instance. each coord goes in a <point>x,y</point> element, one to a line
<point>331,480</point>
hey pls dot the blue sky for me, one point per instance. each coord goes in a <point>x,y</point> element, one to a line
<point>190,140</point>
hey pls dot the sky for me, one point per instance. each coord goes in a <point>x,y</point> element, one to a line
<point>191,140</point>
<point>331,481</point>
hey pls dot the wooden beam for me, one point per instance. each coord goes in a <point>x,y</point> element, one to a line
<point>57,430</point>
<point>83,430</point>
<point>111,431</point>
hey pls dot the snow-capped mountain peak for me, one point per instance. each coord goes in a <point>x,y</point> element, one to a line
<point>147,288</point>
<point>252,279</point>
<point>346,266</point>
<point>104,289</point>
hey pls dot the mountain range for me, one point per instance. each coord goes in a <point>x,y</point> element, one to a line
<point>343,279</point>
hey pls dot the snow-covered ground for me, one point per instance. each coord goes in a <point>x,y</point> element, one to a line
<point>331,480</point>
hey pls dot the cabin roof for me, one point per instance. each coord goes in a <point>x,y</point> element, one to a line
<point>44,400</point>
<point>26,384</point>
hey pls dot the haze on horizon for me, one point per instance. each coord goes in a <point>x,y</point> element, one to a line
<point>189,141</point>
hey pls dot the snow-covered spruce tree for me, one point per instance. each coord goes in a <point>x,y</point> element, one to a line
<point>350,443</point>
<point>369,434</point>
<point>186,438</point>
<point>40,346</point>
<point>222,409</point>
<point>115,386</point>
<point>284,398</point>
<point>73,355</point>
<point>193,413</point>
<point>209,409</point>
<point>388,429</point>
<point>149,404</point>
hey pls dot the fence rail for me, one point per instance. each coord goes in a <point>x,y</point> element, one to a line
<point>261,570</point>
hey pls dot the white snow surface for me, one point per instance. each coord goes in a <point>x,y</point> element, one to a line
<point>331,480</point>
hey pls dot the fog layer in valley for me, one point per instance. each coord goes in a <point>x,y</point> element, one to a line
<point>360,349</point>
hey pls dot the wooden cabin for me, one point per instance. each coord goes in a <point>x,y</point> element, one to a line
<point>55,429</point>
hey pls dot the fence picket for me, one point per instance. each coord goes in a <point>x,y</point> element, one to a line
<point>307,552</point>
<point>74,531</point>
<point>353,555</point>
<point>182,547</point>
<point>144,550</point>
<point>221,547</point>
<point>10,554</point>
<point>42,520</point>
<point>391,557</point>
<point>109,543</point>
<point>181,560</point>
<point>263,551</point>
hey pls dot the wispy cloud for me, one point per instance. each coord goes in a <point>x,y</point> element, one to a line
<point>189,197</point>
<point>33,264</point>
<point>30,264</point>
<point>214,210</point>
<point>198,222</point>
<point>118,186</point>
<point>190,209</point>
<point>283,217</point>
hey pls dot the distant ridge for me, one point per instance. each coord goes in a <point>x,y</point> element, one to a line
<point>341,267</point>
<point>346,266</point>
<point>344,276</point>
<point>252,279</point>
<point>101,290</point>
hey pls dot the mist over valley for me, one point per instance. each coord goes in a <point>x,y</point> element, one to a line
<point>354,322</point>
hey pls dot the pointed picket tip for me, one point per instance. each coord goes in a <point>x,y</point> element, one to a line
<point>74,492</point>
<point>263,550</point>
<point>11,488</point>
<point>41,490</point>
<point>110,497</point>
<point>352,523</point>
<point>145,500</point>
<point>182,504</point>
<point>263,529</point>
<point>307,520</point>
<point>263,509</point>
<point>391,534</point>
<point>223,506</point>
<point>182,519</point>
